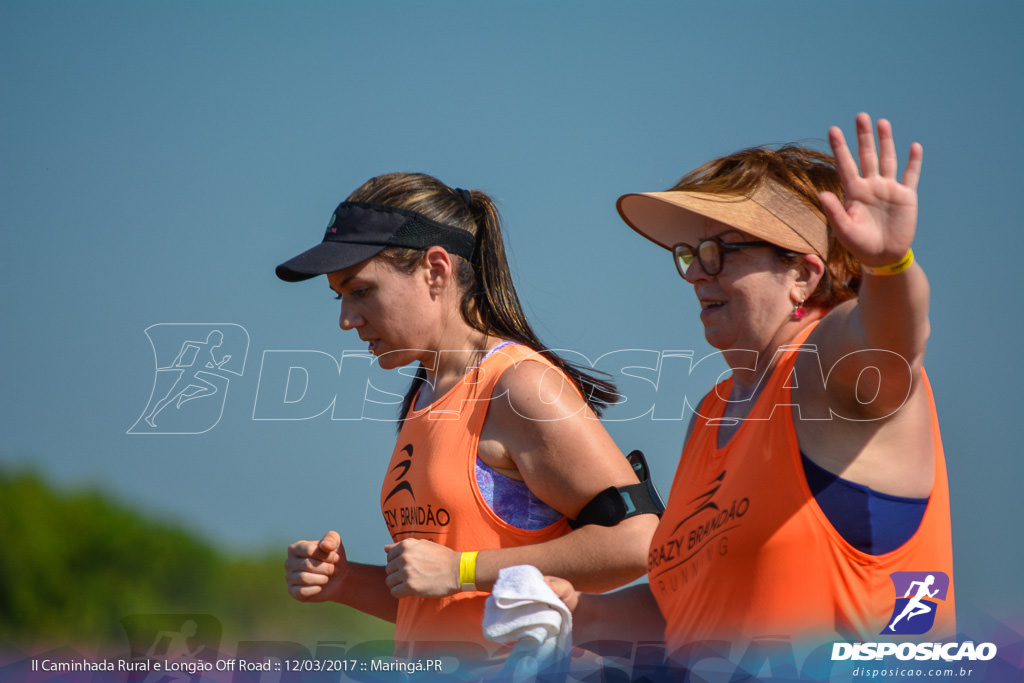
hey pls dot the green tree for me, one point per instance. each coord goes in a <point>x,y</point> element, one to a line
<point>74,564</point>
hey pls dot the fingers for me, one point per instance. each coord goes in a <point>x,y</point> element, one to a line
<point>305,586</point>
<point>560,586</point>
<point>866,146</point>
<point>834,208</point>
<point>396,575</point>
<point>883,163</point>
<point>395,569</point>
<point>912,173</point>
<point>564,590</point>
<point>888,161</point>
<point>310,559</point>
<point>311,565</point>
<point>330,541</point>
<point>421,568</point>
<point>312,551</point>
<point>845,164</point>
<point>886,150</point>
<point>305,580</point>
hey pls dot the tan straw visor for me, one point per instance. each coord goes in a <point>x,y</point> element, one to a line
<point>770,213</point>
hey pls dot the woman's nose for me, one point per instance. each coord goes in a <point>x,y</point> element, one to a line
<point>349,319</point>
<point>695,272</point>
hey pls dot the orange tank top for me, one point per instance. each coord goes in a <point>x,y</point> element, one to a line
<point>430,492</point>
<point>744,551</point>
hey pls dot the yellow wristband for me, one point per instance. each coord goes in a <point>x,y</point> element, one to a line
<point>892,268</point>
<point>467,571</point>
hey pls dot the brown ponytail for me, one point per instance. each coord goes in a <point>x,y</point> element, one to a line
<point>489,303</point>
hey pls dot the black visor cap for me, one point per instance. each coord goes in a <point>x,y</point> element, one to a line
<point>358,231</point>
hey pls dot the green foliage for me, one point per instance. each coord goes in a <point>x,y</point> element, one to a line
<point>73,565</point>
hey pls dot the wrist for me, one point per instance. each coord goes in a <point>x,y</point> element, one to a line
<point>467,571</point>
<point>893,268</point>
<point>342,586</point>
<point>588,618</point>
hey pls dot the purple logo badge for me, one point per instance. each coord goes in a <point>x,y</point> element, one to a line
<point>917,601</point>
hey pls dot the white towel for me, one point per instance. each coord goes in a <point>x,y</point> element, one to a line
<point>523,609</point>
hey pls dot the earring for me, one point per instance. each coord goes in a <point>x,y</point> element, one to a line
<point>799,311</point>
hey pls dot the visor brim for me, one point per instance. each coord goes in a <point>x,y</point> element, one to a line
<point>326,257</point>
<point>668,218</point>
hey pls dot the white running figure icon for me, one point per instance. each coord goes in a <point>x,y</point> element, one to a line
<point>190,383</point>
<point>916,606</point>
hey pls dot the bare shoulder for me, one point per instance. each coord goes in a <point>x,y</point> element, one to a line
<point>863,412</point>
<point>848,377</point>
<point>534,390</point>
<point>533,407</point>
<point>547,433</point>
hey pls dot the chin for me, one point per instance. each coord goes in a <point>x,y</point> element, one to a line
<point>716,339</point>
<point>389,360</point>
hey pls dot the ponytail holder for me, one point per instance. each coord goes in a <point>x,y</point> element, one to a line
<point>468,199</point>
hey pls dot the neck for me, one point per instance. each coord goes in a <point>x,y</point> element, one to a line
<point>750,369</point>
<point>455,355</point>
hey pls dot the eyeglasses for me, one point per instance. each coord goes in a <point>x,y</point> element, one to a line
<point>709,252</point>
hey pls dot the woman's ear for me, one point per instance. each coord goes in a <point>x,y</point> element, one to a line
<point>809,271</point>
<point>438,269</point>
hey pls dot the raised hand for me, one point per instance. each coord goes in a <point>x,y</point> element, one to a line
<point>315,570</point>
<point>878,219</point>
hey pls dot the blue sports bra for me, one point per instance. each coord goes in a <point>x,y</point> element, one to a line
<point>511,499</point>
<point>870,521</point>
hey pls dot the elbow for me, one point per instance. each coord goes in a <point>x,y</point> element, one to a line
<point>627,546</point>
<point>638,532</point>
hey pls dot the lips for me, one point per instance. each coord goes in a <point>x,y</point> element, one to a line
<point>709,305</point>
<point>371,344</point>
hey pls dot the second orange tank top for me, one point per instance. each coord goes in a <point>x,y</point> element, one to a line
<point>743,551</point>
<point>430,492</point>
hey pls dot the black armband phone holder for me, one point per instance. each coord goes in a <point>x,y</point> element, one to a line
<point>615,504</point>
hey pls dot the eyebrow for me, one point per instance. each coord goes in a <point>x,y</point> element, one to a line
<point>743,237</point>
<point>341,285</point>
<point>736,231</point>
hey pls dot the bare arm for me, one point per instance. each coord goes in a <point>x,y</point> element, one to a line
<point>541,431</point>
<point>596,558</point>
<point>877,223</point>
<point>628,614</point>
<point>872,348</point>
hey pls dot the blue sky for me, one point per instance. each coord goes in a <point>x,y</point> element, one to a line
<point>157,160</point>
